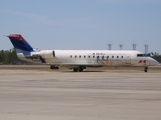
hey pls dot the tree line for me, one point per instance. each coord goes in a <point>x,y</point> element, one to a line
<point>10,57</point>
<point>156,56</point>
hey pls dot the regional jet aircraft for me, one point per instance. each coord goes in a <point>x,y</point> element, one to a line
<point>78,60</point>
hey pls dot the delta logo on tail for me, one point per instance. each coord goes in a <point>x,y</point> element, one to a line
<point>19,42</point>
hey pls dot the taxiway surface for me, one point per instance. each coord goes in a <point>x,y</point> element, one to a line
<point>64,95</point>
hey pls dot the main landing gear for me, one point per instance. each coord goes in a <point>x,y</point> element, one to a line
<point>54,67</point>
<point>80,69</point>
<point>146,69</point>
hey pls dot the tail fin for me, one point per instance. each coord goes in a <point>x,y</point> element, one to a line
<point>20,43</point>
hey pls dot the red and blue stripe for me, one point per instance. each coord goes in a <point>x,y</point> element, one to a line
<point>19,42</point>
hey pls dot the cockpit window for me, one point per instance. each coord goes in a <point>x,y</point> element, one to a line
<point>143,55</point>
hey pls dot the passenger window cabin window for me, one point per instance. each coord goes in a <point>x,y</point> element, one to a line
<point>80,56</point>
<point>112,56</point>
<point>107,57</point>
<point>75,56</point>
<point>93,56</point>
<point>117,56</point>
<point>122,56</point>
<point>88,56</point>
<point>84,56</point>
<point>71,56</point>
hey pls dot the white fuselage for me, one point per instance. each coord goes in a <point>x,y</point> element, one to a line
<point>79,59</point>
<point>91,58</point>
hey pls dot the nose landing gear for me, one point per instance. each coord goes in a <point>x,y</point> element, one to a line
<point>146,69</point>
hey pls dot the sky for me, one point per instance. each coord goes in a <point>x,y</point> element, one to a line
<point>82,24</point>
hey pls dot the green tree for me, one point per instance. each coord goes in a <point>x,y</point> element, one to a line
<point>156,56</point>
<point>10,57</point>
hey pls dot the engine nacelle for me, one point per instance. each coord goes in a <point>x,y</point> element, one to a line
<point>47,54</point>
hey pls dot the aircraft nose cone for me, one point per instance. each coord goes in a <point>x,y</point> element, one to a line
<point>155,62</point>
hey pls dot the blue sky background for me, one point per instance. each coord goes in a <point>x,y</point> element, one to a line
<point>82,24</point>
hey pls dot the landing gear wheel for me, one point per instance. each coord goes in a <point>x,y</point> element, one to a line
<point>75,70</point>
<point>80,69</point>
<point>54,67</point>
<point>146,69</point>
